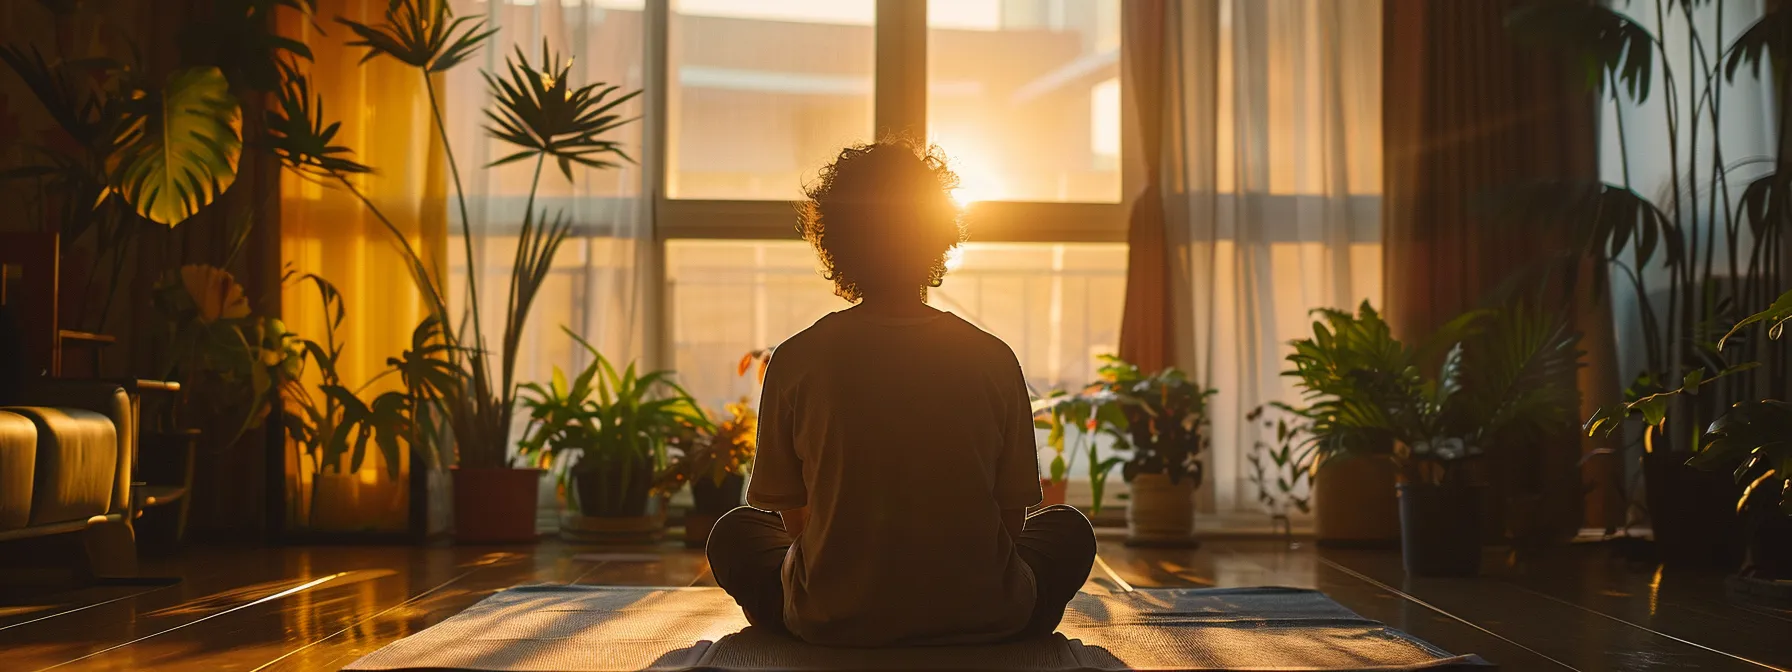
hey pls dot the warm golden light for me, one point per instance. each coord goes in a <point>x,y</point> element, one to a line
<point>976,180</point>
<point>954,258</point>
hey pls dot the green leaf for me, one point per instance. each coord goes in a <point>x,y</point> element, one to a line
<point>1691,382</point>
<point>182,154</point>
<point>558,383</point>
<point>1605,44</point>
<point>1776,315</point>
<point>1769,39</point>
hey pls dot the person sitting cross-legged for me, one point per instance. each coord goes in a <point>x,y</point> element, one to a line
<point>897,459</point>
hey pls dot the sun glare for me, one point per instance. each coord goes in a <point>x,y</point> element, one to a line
<point>954,258</point>
<point>976,181</point>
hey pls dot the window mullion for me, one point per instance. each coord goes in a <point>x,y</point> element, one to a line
<point>900,80</point>
<point>657,346</point>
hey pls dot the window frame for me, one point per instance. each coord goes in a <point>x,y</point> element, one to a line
<point>899,85</point>
<point>900,105</point>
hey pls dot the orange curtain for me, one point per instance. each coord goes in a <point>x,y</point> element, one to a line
<point>1147,324</point>
<point>1466,112</point>
<point>325,230</point>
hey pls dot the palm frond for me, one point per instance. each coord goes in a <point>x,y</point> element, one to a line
<point>1520,376</point>
<point>72,92</point>
<point>297,133</point>
<point>421,33</point>
<point>540,112</point>
<point>1608,46</point>
<point>1769,39</point>
<point>1606,219</point>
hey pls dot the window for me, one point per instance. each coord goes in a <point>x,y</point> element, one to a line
<point>762,92</point>
<point>1025,96</point>
<point>1056,304</point>
<point>743,101</point>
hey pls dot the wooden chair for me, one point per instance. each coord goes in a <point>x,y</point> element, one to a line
<point>30,273</point>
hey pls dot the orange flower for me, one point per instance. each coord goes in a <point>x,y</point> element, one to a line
<point>215,292</point>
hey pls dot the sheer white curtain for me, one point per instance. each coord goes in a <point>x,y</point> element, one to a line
<point>597,287</point>
<point>601,279</point>
<point>1272,182</point>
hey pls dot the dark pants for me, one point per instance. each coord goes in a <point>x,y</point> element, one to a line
<point>747,547</point>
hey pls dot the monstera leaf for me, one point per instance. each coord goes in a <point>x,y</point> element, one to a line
<point>180,152</point>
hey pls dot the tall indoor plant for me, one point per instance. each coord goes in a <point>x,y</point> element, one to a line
<point>137,176</point>
<point>544,116</point>
<point>1695,247</point>
<point>1503,377</point>
<point>334,424</point>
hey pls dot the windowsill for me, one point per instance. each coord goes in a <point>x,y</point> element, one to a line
<point>1236,525</point>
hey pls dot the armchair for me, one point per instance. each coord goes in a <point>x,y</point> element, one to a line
<point>66,464</point>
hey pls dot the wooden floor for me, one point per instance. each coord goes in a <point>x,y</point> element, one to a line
<point>318,608</point>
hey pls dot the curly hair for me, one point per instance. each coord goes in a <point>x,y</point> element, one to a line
<point>881,216</point>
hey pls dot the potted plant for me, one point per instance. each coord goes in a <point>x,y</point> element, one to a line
<point>1343,373</point>
<point>1502,377</point>
<point>1164,430</point>
<point>333,426</point>
<point>1750,441</point>
<point>618,426</point>
<point>1281,470</point>
<point>1691,238</point>
<point>544,116</point>
<point>1088,414</point>
<point>1754,441</point>
<point>715,464</point>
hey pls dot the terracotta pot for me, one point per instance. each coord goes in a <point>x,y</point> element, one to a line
<point>1053,490</point>
<point>495,506</point>
<point>1354,505</point>
<point>1161,512</point>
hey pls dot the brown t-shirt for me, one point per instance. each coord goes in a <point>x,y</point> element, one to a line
<point>906,438</point>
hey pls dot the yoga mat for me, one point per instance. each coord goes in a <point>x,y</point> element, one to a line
<point>600,628</point>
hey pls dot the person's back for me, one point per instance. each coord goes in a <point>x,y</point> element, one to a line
<point>896,445</point>
<point>915,435</point>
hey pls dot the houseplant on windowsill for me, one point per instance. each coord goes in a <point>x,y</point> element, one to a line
<point>1165,429</point>
<point>619,426</point>
<point>1504,377</point>
<point>1087,415</point>
<point>715,464</point>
